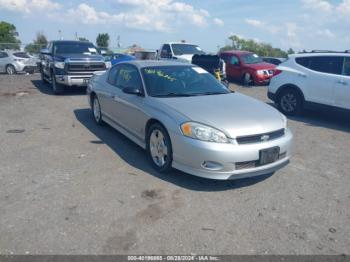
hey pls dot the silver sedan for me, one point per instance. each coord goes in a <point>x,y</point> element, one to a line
<point>187,120</point>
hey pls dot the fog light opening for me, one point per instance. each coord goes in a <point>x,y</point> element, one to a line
<point>213,166</point>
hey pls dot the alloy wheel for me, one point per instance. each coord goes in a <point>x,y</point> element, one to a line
<point>10,70</point>
<point>288,102</point>
<point>97,110</point>
<point>158,148</point>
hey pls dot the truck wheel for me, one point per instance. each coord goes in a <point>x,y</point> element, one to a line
<point>43,78</point>
<point>290,102</point>
<point>10,70</point>
<point>56,87</point>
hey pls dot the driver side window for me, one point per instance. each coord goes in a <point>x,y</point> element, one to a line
<point>166,52</point>
<point>234,60</point>
<point>128,76</point>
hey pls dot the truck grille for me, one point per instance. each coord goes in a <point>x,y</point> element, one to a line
<point>85,67</point>
<point>260,137</point>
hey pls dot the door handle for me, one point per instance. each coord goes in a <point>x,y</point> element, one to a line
<point>342,82</point>
<point>302,75</point>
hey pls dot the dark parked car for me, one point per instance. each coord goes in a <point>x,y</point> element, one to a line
<point>247,67</point>
<point>69,63</point>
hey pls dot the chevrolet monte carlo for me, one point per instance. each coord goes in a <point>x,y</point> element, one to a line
<point>185,119</point>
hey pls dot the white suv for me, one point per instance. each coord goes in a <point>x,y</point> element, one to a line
<point>311,80</point>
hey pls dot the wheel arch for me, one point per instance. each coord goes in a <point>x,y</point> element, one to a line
<point>151,122</point>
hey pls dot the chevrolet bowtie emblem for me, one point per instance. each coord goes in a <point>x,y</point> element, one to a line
<point>265,138</point>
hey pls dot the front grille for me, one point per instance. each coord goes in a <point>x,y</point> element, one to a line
<point>260,137</point>
<point>255,163</point>
<point>86,67</point>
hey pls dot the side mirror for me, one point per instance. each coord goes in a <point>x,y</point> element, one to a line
<point>132,91</point>
<point>45,51</point>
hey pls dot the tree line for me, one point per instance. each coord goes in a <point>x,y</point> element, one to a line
<point>261,49</point>
<point>9,40</point>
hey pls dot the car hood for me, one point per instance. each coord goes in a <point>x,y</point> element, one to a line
<point>184,58</point>
<point>235,114</point>
<point>83,57</point>
<point>261,66</point>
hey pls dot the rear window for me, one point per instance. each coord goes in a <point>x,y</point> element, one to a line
<point>323,64</point>
<point>21,55</point>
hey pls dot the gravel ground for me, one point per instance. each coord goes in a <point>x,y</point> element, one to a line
<point>68,186</point>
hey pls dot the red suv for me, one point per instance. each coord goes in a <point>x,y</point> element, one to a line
<point>247,67</point>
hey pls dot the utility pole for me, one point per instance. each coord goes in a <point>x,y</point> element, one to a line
<point>76,36</point>
<point>59,34</point>
<point>118,41</point>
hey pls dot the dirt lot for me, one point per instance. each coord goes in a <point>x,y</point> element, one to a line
<point>68,186</point>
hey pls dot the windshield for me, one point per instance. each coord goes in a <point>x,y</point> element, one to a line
<point>170,81</point>
<point>74,48</point>
<point>21,55</point>
<point>251,59</point>
<point>185,49</point>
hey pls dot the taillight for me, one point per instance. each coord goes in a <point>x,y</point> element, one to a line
<point>277,72</point>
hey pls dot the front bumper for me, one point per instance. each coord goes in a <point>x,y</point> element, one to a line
<point>73,80</point>
<point>263,80</point>
<point>190,154</point>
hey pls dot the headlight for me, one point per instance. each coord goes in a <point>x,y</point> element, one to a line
<point>260,72</point>
<point>203,132</point>
<point>59,65</point>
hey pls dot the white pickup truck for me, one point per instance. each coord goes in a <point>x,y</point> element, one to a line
<point>179,50</point>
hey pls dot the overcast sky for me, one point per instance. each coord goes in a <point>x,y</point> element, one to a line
<point>300,24</point>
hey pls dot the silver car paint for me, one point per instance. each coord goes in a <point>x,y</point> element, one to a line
<point>18,65</point>
<point>234,114</point>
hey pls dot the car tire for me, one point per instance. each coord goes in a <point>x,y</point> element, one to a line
<point>10,70</point>
<point>96,110</point>
<point>43,79</point>
<point>159,149</point>
<point>247,79</point>
<point>290,102</point>
<point>57,88</point>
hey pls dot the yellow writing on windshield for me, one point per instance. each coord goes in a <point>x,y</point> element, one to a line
<point>160,74</point>
<point>125,74</point>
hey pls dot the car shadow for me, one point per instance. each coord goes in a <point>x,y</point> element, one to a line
<point>136,157</point>
<point>46,89</point>
<point>332,119</point>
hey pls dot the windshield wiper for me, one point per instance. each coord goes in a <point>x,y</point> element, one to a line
<point>173,95</point>
<point>209,93</point>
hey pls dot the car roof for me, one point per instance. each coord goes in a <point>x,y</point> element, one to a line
<point>151,63</point>
<point>182,43</point>
<point>319,54</point>
<point>236,52</point>
<point>70,41</point>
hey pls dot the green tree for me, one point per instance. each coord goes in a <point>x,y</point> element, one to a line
<point>262,49</point>
<point>102,40</point>
<point>83,39</point>
<point>290,51</point>
<point>8,36</point>
<point>39,43</point>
